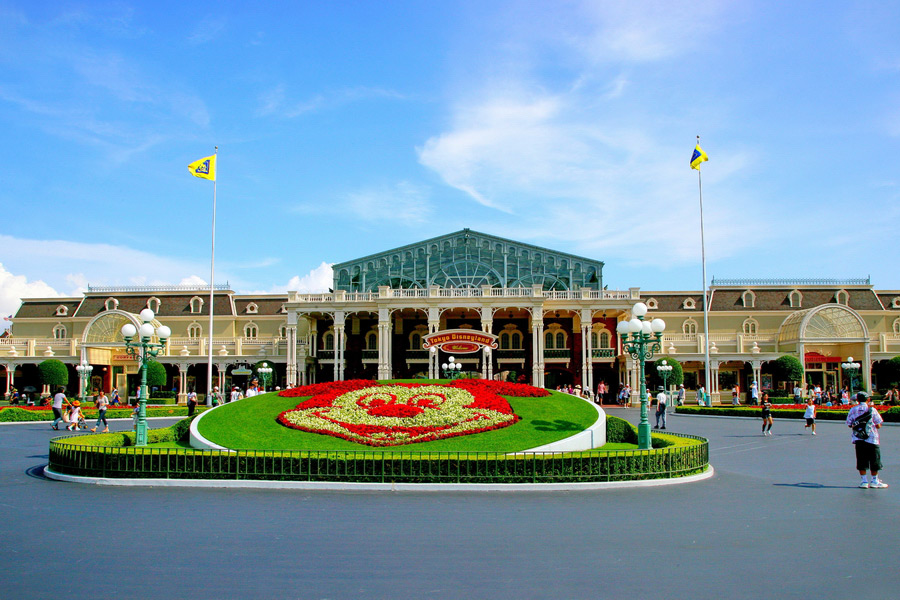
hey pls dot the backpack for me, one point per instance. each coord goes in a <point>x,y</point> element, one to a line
<point>860,425</point>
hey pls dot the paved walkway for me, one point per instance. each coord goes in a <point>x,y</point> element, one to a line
<point>781,518</point>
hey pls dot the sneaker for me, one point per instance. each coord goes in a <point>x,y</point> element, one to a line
<point>878,485</point>
<point>814,433</point>
<point>93,430</point>
<point>864,485</point>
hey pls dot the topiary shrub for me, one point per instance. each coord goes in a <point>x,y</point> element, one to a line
<point>620,431</point>
<point>156,374</point>
<point>675,377</point>
<point>53,372</point>
<point>787,368</point>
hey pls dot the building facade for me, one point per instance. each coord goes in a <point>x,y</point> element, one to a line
<point>554,322</point>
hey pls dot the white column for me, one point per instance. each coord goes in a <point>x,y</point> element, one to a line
<point>867,368</point>
<point>537,335</point>
<point>10,376</point>
<point>487,362</point>
<point>587,359</point>
<point>182,383</point>
<point>291,351</point>
<point>714,375</point>
<point>434,325</point>
<point>339,322</point>
<point>384,328</point>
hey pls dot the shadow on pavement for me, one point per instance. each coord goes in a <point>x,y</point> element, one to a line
<point>804,484</point>
<point>37,472</point>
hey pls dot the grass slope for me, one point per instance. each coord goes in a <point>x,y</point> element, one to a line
<point>250,424</point>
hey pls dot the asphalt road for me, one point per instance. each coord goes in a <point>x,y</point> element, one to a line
<point>782,518</point>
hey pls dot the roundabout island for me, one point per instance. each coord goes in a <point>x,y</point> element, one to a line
<point>414,434</point>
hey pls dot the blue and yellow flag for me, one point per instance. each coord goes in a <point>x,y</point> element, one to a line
<point>698,157</point>
<point>205,168</point>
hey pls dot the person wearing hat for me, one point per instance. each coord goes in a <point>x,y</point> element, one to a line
<point>679,399</point>
<point>216,396</point>
<point>74,416</point>
<point>864,423</point>
<point>253,388</point>
<point>191,402</point>
<point>754,393</point>
<point>235,394</point>
<point>661,401</point>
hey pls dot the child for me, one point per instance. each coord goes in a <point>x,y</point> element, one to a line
<point>766,415</point>
<point>74,416</point>
<point>810,415</point>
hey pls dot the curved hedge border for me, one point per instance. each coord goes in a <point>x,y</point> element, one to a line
<point>14,414</point>
<point>673,455</point>
<point>892,415</point>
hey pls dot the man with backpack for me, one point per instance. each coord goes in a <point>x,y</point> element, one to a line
<point>864,423</point>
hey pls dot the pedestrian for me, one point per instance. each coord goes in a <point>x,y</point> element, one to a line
<point>754,394</point>
<point>627,396</point>
<point>679,399</point>
<point>864,423</point>
<point>896,396</point>
<point>115,397</point>
<point>735,400</point>
<point>191,402</point>
<point>74,416</point>
<point>845,397</point>
<point>661,402</point>
<point>797,393</point>
<point>701,396</point>
<point>102,402</point>
<point>216,396</point>
<point>13,397</point>
<point>766,415</point>
<point>58,400</point>
<point>810,415</point>
<point>887,399</point>
<point>134,416</point>
<point>253,388</point>
<point>601,392</point>
<point>235,394</point>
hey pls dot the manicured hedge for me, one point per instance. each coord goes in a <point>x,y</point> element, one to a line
<point>891,415</point>
<point>14,414</point>
<point>677,455</point>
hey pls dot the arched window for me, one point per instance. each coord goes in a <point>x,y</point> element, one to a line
<point>60,332</point>
<point>153,304</point>
<point>652,303</point>
<point>112,304</point>
<point>504,341</point>
<point>196,304</point>
<point>604,339</point>
<point>195,331</point>
<point>372,340</point>
<point>796,299</point>
<point>415,341</point>
<point>252,308</point>
<point>328,340</point>
<point>251,331</point>
<point>689,304</point>
<point>749,299</point>
<point>896,325</point>
<point>842,297</point>
<point>555,338</point>
<point>689,327</point>
<point>62,310</point>
<point>282,331</point>
<point>750,326</point>
<point>895,303</point>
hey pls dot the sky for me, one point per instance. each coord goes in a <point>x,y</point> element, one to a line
<point>349,128</point>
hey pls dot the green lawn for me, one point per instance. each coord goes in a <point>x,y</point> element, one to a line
<point>250,424</point>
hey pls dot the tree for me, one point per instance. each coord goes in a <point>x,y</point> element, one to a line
<point>787,368</point>
<point>156,374</point>
<point>888,372</point>
<point>675,377</point>
<point>53,372</point>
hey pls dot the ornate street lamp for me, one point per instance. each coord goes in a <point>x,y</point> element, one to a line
<point>265,374</point>
<point>852,369</point>
<point>451,368</point>
<point>641,339</point>
<point>144,350</point>
<point>664,369</point>
<point>84,375</point>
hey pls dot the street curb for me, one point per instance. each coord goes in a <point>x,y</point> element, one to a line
<point>378,487</point>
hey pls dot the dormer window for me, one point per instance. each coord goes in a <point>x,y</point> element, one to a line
<point>842,297</point>
<point>749,299</point>
<point>796,299</point>
<point>895,303</point>
<point>112,304</point>
<point>652,304</point>
<point>252,308</point>
<point>689,304</point>
<point>153,304</point>
<point>62,310</point>
<point>283,309</point>
<point>196,304</point>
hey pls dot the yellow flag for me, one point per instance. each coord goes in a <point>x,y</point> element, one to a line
<point>205,168</point>
<point>698,157</point>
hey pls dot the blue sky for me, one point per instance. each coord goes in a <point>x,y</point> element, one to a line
<point>349,128</point>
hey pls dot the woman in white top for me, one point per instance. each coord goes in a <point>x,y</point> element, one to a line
<point>810,415</point>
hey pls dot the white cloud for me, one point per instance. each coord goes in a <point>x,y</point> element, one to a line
<point>403,203</point>
<point>320,279</point>
<point>194,280</point>
<point>15,287</point>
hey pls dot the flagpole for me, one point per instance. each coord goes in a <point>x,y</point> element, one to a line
<point>705,295</point>
<point>212,277</point>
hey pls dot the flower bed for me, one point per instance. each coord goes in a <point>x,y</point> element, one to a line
<point>398,413</point>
